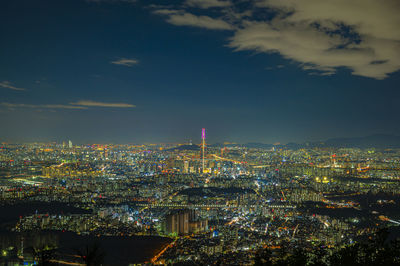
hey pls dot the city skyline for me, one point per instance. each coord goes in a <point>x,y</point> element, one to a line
<point>199,132</point>
<point>122,71</point>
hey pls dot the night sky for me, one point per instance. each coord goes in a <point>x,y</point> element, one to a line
<point>126,71</point>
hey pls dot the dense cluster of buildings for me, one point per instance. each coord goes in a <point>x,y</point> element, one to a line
<point>221,204</point>
<point>184,222</point>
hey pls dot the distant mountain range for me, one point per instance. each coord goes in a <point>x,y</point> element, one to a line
<point>377,141</point>
<point>380,141</point>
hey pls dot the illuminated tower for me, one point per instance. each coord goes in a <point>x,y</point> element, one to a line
<point>203,138</point>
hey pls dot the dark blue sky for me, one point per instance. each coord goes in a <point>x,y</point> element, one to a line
<point>129,71</point>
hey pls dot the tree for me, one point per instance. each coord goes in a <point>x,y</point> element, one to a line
<point>375,250</point>
<point>349,255</point>
<point>298,258</point>
<point>92,255</point>
<point>44,255</point>
<point>263,258</point>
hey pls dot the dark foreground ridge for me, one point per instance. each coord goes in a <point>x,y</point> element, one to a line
<point>377,249</point>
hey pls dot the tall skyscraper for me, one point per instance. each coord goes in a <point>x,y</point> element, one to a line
<point>69,144</point>
<point>186,167</point>
<point>203,138</point>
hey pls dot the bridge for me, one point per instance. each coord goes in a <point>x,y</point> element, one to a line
<point>213,206</point>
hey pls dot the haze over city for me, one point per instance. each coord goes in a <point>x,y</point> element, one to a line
<point>199,132</point>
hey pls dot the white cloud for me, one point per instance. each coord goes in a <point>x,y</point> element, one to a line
<point>102,104</point>
<point>208,3</point>
<point>311,33</point>
<point>125,62</point>
<point>321,36</point>
<point>167,11</point>
<point>182,18</point>
<point>8,85</point>
<point>46,106</point>
<point>79,105</point>
<point>370,17</point>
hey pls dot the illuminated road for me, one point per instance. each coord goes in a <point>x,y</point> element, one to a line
<point>62,262</point>
<point>393,221</point>
<point>225,159</point>
<point>258,193</point>
<point>155,258</point>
